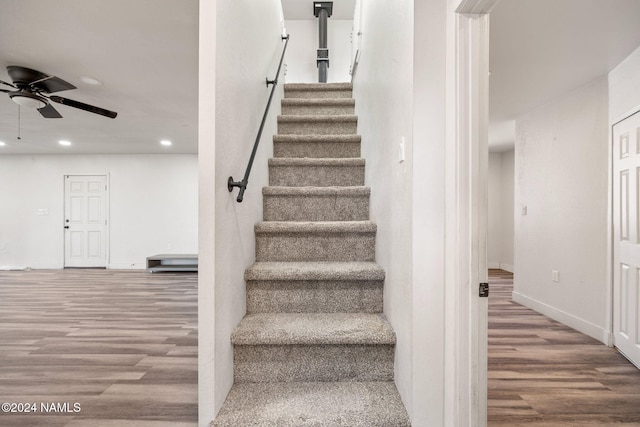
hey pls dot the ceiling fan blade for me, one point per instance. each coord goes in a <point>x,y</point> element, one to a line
<point>49,112</point>
<point>27,77</point>
<point>83,106</point>
<point>8,84</point>
<point>6,91</point>
<point>51,84</point>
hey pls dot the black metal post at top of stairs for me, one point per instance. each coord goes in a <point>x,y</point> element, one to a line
<point>322,11</point>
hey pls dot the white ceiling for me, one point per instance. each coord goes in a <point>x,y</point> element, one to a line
<point>303,9</point>
<point>541,49</point>
<point>145,52</point>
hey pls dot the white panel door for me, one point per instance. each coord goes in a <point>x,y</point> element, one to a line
<point>85,221</point>
<point>626,243</point>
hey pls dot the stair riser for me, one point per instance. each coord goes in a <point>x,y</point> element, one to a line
<point>315,208</point>
<point>302,246</point>
<point>323,94</point>
<point>317,127</point>
<point>316,176</point>
<point>314,296</point>
<point>303,110</point>
<point>316,149</point>
<point>287,363</point>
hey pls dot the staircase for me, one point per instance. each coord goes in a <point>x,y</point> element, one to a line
<point>314,348</point>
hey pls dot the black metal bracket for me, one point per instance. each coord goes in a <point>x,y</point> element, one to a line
<point>242,185</point>
<point>319,5</point>
<point>484,290</point>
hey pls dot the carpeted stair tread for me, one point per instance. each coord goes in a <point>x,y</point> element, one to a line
<point>317,404</point>
<point>317,138</point>
<point>295,271</point>
<point>318,101</point>
<point>311,145</point>
<point>353,191</point>
<point>317,118</point>
<point>314,329</point>
<point>315,227</point>
<point>320,87</point>
<point>327,161</point>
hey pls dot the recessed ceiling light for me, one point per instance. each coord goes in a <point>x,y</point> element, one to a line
<point>65,143</point>
<point>166,143</point>
<point>2,143</point>
<point>90,81</point>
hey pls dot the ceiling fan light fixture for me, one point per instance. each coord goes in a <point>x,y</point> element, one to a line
<point>27,100</point>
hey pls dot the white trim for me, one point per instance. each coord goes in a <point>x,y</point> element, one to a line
<point>580,325</point>
<point>500,266</point>
<point>610,232</point>
<point>476,7</point>
<point>107,214</point>
<point>466,214</point>
<point>506,267</point>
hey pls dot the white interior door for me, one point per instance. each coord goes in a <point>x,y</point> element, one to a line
<point>85,221</point>
<point>626,245</point>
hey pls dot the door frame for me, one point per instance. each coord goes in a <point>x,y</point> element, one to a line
<point>107,213</point>
<point>610,339</point>
<point>467,220</point>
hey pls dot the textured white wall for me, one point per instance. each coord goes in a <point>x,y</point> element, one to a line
<point>624,86</point>
<point>561,177</point>
<point>153,204</point>
<point>301,53</point>
<point>508,210</point>
<point>495,216</point>
<point>248,47</point>
<point>383,91</point>
<point>500,224</point>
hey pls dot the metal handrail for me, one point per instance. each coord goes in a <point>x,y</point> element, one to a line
<point>243,184</point>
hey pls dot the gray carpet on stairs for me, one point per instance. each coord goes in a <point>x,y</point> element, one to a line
<point>315,348</point>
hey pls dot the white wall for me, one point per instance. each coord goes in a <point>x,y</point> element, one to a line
<point>153,204</point>
<point>624,86</point>
<point>561,177</point>
<point>494,231</point>
<point>508,210</point>
<point>301,53</point>
<point>234,65</point>
<point>383,91</point>
<point>500,226</point>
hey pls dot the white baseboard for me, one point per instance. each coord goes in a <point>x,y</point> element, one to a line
<point>506,267</point>
<point>594,331</point>
<point>127,266</point>
<point>500,266</point>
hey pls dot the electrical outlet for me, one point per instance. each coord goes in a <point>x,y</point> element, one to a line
<point>555,276</point>
<point>524,210</point>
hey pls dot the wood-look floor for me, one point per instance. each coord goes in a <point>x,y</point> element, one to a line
<point>542,373</point>
<point>121,344</point>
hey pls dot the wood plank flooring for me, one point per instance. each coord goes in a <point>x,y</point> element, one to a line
<point>544,374</point>
<point>108,347</point>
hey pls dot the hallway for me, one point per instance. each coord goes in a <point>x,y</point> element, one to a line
<point>542,373</point>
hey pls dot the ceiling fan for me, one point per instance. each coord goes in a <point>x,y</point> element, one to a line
<point>32,89</point>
